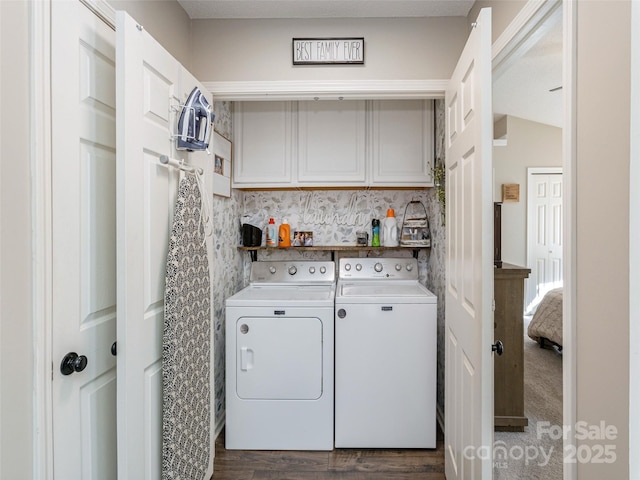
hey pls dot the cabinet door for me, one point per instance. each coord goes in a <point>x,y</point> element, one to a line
<point>402,143</point>
<point>331,146</point>
<point>262,144</point>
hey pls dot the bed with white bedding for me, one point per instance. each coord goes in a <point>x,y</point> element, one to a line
<point>546,324</point>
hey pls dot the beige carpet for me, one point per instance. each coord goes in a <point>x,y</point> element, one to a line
<point>534,454</point>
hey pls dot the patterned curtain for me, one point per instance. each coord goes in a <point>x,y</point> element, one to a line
<point>186,342</point>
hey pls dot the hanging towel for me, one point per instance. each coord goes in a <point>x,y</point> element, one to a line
<point>186,342</point>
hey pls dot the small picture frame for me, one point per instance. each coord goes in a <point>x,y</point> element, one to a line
<point>302,239</point>
<point>221,152</point>
<point>510,192</point>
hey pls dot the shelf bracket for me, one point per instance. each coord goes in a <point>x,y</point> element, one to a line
<point>415,253</point>
<point>254,255</point>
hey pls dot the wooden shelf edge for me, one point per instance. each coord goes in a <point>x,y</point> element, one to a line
<point>253,251</point>
<point>335,248</point>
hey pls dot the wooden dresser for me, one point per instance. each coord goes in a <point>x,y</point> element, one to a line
<point>509,367</point>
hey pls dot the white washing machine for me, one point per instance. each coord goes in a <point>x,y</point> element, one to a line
<point>385,354</point>
<point>279,358</point>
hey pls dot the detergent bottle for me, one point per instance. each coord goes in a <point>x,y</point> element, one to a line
<point>272,239</point>
<point>375,232</point>
<point>390,230</point>
<point>284,234</point>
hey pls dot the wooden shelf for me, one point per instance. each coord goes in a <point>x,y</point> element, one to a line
<point>333,248</point>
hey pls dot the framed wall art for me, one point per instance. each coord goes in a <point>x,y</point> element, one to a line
<point>221,165</point>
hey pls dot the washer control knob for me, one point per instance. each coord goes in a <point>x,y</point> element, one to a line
<point>409,267</point>
<point>398,267</point>
<point>347,266</point>
<point>378,267</point>
<point>312,270</point>
<point>272,269</point>
<point>358,267</point>
<point>323,270</point>
<point>293,270</point>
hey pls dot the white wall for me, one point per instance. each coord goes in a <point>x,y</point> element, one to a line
<point>602,216</point>
<point>529,144</point>
<point>260,50</point>
<point>166,21</point>
<point>503,12</point>
<point>16,347</point>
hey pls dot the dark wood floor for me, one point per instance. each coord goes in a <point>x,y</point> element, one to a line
<point>340,464</point>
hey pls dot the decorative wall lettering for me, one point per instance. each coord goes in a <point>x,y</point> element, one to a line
<point>312,214</point>
<point>323,51</point>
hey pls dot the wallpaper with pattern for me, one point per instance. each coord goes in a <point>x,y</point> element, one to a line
<point>334,217</point>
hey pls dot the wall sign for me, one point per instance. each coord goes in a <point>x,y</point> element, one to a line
<point>328,51</point>
<point>510,192</point>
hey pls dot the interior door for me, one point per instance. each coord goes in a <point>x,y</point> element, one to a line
<point>469,284</point>
<point>544,219</point>
<point>147,79</point>
<point>149,86</point>
<point>83,243</point>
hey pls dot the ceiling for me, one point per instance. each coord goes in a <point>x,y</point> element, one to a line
<point>522,90</point>
<point>324,8</point>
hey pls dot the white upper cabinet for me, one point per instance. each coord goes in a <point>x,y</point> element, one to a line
<point>402,143</point>
<point>331,142</point>
<point>263,143</point>
<point>326,143</point>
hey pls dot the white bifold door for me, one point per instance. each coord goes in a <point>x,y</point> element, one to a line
<point>544,233</point>
<point>83,244</point>
<point>151,86</point>
<point>469,283</point>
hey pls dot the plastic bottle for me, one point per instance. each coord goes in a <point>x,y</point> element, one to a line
<point>390,230</point>
<point>271,233</point>
<point>284,234</point>
<point>375,232</point>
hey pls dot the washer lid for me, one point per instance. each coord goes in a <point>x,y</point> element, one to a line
<point>278,295</point>
<point>376,291</point>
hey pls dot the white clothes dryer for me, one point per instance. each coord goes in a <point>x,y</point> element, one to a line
<point>385,355</point>
<point>279,358</point>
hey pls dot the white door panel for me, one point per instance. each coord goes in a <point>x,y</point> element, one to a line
<point>84,242</point>
<point>469,318</point>
<point>147,83</point>
<point>151,85</point>
<point>544,243</point>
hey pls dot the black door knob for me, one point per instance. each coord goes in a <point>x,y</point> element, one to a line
<point>72,362</point>
<point>498,347</point>
<point>114,349</point>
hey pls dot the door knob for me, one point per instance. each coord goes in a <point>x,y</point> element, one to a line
<point>72,362</point>
<point>114,349</point>
<point>498,347</point>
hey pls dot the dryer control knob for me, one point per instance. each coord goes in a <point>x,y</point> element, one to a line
<point>323,270</point>
<point>398,267</point>
<point>293,270</point>
<point>358,267</point>
<point>272,270</point>
<point>347,266</point>
<point>409,267</point>
<point>378,267</point>
<point>312,270</point>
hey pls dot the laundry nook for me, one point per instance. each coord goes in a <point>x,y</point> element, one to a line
<point>269,239</point>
